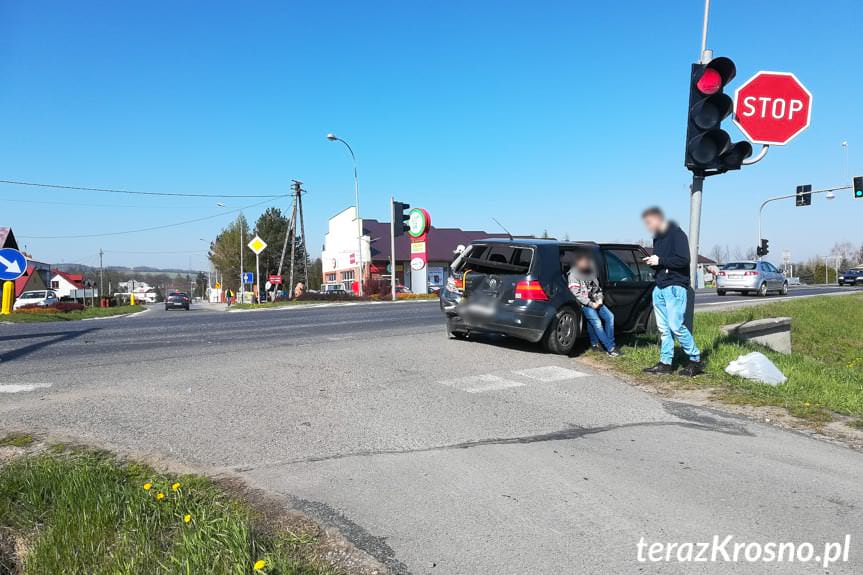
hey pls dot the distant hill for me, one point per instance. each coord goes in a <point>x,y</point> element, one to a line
<point>140,270</point>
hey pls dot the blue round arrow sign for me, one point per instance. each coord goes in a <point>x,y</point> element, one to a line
<point>13,264</point>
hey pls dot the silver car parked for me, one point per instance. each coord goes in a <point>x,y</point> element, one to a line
<point>745,277</point>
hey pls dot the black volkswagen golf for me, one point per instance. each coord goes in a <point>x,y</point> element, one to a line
<point>518,288</point>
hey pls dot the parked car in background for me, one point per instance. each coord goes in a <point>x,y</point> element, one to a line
<point>39,298</point>
<point>751,277</point>
<point>519,288</point>
<point>177,300</point>
<point>852,276</point>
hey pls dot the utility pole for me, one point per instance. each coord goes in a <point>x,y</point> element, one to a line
<point>305,275</point>
<point>290,231</point>
<point>293,240</point>
<point>101,294</point>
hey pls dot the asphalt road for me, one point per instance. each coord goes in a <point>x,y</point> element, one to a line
<point>434,455</point>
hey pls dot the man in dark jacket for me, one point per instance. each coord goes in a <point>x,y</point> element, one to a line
<point>670,262</point>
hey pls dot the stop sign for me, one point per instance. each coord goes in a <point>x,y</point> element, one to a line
<point>772,108</point>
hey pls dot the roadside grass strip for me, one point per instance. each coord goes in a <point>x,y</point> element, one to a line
<point>825,370</point>
<point>88,313</point>
<point>80,511</point>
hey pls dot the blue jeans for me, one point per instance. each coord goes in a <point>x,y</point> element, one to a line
<point>669,308</point>
<point>600,326</point>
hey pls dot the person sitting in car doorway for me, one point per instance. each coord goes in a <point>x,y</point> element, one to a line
<point>587,291</point>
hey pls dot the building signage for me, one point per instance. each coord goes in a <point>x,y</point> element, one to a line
<point>418,223</point>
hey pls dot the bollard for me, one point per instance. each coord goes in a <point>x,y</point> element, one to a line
<point>8,297</point>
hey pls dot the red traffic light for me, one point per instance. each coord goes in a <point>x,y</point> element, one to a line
<point>710,82</point>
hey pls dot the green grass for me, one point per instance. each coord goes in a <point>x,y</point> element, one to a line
<point>85,512</point>
<point>825,370</point>
<point>16,440</point>
<point>20,317</point>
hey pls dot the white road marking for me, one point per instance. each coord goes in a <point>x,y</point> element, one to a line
<point>481,383</point>
<point>551,373</point>
<point>19,387</point>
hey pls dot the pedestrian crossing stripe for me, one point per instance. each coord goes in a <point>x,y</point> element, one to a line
<point>491,382</point>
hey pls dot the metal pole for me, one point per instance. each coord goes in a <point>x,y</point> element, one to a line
<point>258,277</point>
<point>393,247</point>
<point>359,221</point>
<point>704,31</point>
<point>242,245</point>
<point>694,226</point>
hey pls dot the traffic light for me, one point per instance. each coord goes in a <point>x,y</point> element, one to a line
<point>804,196</point>
<point>858,187</point>
<point>762,250</point>
<point>401,217</point>
<point>709,149</point>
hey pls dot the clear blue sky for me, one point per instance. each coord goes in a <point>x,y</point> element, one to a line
<point>565,116</point>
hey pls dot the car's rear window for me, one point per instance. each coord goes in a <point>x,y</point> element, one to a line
<point>739,266</point>
<point>495,259</point>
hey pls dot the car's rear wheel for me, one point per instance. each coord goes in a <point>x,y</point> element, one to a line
<point>720,292</point>
<point>762,291</point>
<point>454,333</point>
<point>563,332</point>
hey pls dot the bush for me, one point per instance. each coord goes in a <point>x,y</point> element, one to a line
<point>59,307</point>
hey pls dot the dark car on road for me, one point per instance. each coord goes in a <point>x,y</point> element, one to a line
<point>519,288</point>
<point>852,276</point>
<point>177,300</point>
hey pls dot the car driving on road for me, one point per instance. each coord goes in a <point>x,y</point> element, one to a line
<point>747,277</point>
<point>177,300</point>
<point>39,298</point>
<point>852,276</point>
<point>518,288</point>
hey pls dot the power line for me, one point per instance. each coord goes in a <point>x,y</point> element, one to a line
<point>89,205</point>
<point>131,192</point>
<point>153,228</point>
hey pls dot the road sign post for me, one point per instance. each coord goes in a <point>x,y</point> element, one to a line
<point>13,264</point>
<point>257,245</point>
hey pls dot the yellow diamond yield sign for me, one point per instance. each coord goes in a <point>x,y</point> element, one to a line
<point>257,245</point>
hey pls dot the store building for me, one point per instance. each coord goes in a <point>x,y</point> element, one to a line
<point>340,262</point>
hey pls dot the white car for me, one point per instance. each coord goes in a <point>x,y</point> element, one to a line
<point>38,297</point>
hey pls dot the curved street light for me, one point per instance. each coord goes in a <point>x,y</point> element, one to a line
<point>360,277</point>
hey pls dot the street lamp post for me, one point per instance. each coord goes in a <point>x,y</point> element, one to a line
<point>360,277</point>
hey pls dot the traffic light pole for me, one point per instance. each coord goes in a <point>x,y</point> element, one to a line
<point>393,247</point>
<point>787,197</point>
<point>696,190</point>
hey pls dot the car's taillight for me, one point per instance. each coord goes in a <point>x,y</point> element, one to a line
<point>722,274</point>
<point>750,273</point>
<point>530,290</point>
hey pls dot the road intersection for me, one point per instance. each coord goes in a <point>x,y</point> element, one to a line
<point>432,455</point>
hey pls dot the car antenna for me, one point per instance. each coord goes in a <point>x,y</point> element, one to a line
<point>503,228</point>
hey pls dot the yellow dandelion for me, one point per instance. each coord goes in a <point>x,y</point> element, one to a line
<point>259,564</point>
<point>806,404</point>
<point>148,486</point>
<point>160,496</point>
<point>187,518</point>
<point>176,486</point>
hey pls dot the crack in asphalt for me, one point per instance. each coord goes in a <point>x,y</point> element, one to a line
<point>568,433</point>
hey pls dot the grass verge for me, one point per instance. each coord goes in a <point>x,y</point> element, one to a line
<point>825,370</point>
<point>90,312</point>
<point>67,512</point>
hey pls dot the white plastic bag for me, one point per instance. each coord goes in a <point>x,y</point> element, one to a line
<point>756,366</point>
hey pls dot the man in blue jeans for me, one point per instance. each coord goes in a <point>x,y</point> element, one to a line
<point>585,287</point>
<point>670,262</point>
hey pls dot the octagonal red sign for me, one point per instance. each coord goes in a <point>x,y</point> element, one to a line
<point>772,108</point>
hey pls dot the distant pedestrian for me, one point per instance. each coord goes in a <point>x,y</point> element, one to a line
<point>670,262</point>
<point>229,295</point>
<point>585,287</point>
